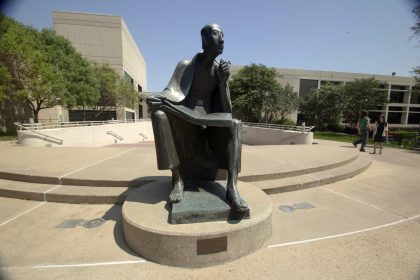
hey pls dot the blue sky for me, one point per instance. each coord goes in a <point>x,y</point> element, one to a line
<point>362,36</point>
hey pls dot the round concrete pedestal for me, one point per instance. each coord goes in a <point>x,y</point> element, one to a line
<point>148,232</point>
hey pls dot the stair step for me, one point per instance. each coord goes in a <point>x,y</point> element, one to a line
<point>117,194</point>
<point>30,178</point>
<point>64,194</point>
<point>296,172</point>
<point>315,179</point>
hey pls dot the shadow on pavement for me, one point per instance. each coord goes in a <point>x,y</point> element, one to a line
<point>114,214</point>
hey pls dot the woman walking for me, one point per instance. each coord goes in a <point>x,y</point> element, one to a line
<point>380,131</point>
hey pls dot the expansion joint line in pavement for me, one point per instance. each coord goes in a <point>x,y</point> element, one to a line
<point>362,202</point>
<point>23,213</point>
<point>404,219</point>
<point>342,234</point>
<point>45,193</point>
<point>95,163</point>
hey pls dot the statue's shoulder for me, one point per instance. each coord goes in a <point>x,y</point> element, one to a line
<point>184,62</point>
<point>182,65</point>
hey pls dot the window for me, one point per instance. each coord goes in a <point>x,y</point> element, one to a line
<point>394,117</point>
<point>331,83</point>
<point>395,114</point>
<point>415,96</point>
<point>307,87</point>
<point>396,87</point>
<point>396,97</point>
<point>414,115</point>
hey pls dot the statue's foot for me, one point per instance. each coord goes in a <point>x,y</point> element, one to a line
<point>177,193</point>
<point>235,200</point>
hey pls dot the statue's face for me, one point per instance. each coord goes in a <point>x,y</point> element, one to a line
<point>215,39</point>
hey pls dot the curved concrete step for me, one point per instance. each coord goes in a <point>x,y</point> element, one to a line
<point>117,195</point>
<point>315,179</point>
<point>64,194</point>
<point>297,171</point>
<point>75,181</point>
<point>40,179</point>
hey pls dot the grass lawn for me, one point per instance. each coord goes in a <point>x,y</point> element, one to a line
<point>7,137</point>
<point>334,136</point>
<point>343,137</point>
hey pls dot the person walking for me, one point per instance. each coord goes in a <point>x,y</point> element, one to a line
<point>380,131</point>
<point>363,128</point>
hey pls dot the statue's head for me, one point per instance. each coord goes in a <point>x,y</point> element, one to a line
<point>212,38</point>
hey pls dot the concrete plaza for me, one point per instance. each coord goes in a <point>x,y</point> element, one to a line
<point>364,227</point>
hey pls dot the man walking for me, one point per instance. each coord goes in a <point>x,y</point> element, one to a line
<point>363,128</point>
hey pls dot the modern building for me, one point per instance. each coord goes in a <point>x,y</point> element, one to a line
<point>403,109</point>
<point>103,39</point>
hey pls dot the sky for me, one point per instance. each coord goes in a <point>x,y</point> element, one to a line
<point>360,36</point>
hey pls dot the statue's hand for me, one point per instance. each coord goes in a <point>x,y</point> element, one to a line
<point>224,70</point>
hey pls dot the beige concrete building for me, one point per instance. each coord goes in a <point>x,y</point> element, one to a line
<point>403,109</point>
<point>103,39</point>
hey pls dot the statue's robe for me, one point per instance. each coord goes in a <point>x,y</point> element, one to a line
<point>192,139</point>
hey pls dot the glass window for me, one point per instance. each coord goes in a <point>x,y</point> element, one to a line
<point>415,96</point>
<point>396,97</point>
<point>331,82</point>
<point>394,117</point>
<point>397,87</point>
<point>398,109</point>
<point>307,87</point>
<point>414,115</point>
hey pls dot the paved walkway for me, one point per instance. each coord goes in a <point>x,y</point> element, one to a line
<point>365,227</point>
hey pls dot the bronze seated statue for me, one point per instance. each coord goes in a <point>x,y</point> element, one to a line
<point>195,134</point>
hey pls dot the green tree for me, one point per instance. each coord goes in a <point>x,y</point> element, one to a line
<point>416,27</point>
<point>249,87</point>
<point>114,90</point>
<point>363,94</point>
<point>416,33</point>
<point>81,85</point>
<point>42,69</point>
<point>324,107</point>
<point>35,81</point>
<point>285,102</point>
<point>126,95</point>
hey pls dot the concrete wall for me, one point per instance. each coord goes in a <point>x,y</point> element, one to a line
<point>55,114</point>
<point>96,37</point>
<point>89,136</point>
<point>105,39</point>
<point>133,61</point>
<point>268,136</point>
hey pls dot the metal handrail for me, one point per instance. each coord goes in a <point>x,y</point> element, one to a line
<point>115,135</point>
<point>18,124</point>
<point>143,135</point>
<point>39,126</point>
<point>282,127</point>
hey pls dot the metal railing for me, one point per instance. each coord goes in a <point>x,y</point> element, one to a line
<point>280,126</point>
<point>115,135</point>
<point>143,135</point>
<point>39,126</point>
<point>19,125</point>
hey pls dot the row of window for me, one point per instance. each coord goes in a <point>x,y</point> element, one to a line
<point>398,94</point>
